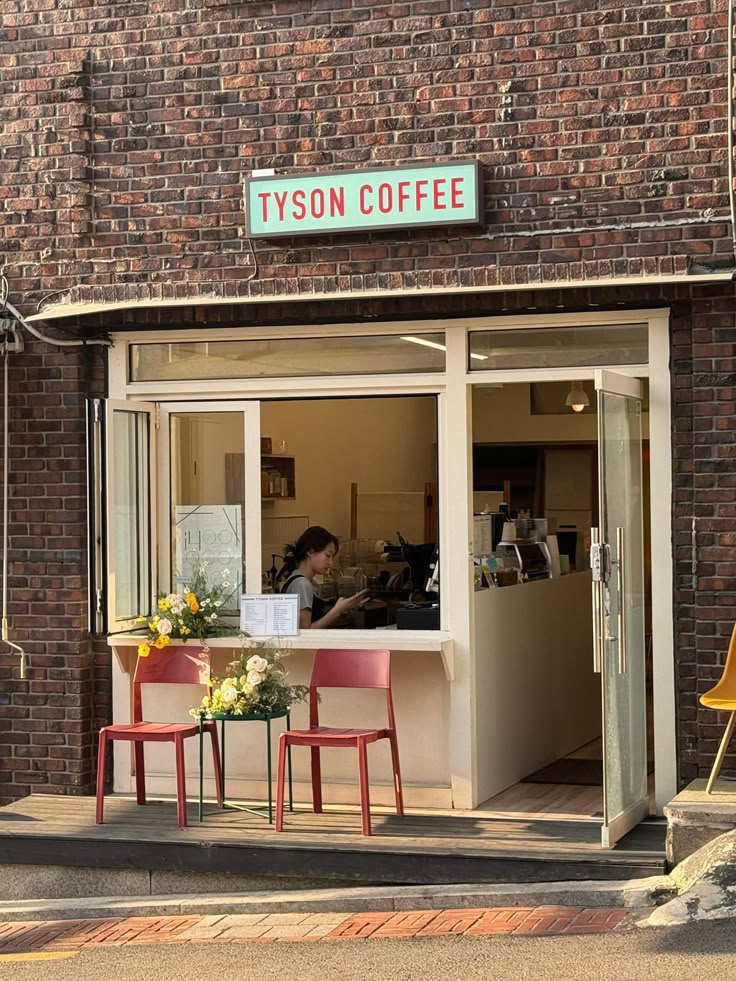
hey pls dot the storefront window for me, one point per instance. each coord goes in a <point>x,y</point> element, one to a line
<point>207,500</point>
<point>563,347</point>
<point>288,358</point>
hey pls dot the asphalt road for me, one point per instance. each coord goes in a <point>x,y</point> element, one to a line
<point>704,952</point>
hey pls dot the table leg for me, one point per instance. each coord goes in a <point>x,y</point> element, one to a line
<point>288,753</point>
<point>222,760</point>
<point>268,748</point>
<point>201,767</point>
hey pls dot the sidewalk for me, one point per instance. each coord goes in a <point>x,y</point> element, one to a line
<point>260,927</point>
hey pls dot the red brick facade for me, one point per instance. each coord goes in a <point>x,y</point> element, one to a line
<point>126,132</point>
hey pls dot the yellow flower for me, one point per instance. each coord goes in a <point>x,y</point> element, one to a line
<point>164,605</point>
<point>185,630</point>
<point>143,650</point>
<point>192,602</point>
<point>140,619</point>
<point>161,641</point>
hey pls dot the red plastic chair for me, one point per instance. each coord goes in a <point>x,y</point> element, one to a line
<point>172,666</point>
<point>343,669</point>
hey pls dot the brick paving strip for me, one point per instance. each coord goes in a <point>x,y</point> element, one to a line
<point>244,927</point>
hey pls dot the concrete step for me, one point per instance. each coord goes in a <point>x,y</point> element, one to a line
<point>632,894</point>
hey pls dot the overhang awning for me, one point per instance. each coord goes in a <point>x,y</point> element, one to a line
<point>57,311</point>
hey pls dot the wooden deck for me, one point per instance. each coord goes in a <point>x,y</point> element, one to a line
<point>423,847</point>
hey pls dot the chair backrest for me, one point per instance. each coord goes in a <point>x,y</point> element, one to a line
<point>351,669</point>
<point>180,665</point>
<point>348,668</point>
<point>728,678</point>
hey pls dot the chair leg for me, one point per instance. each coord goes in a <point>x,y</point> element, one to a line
<point>397,775</point>
<point>316,781</point>
<point>140,773</point>
<point>721,753</point>
<point>365,802</point>
<point>280,775</point>
<point>181,785</point>
<point>101,750</point>
<point>217,769</point>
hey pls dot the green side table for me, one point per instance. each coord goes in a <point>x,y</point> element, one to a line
<point>255,717</point>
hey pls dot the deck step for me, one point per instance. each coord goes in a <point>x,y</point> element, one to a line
<point>420,849</point>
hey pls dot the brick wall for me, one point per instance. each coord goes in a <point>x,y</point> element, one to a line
<point>127,129</point>
<point>47,722</point>
<point>704,528</point>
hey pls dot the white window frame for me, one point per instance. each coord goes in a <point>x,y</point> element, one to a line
<point>454,390</point>
<point>251,530</point>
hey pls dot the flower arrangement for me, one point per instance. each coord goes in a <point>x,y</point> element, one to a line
<point>255,685</point>
<point>193,614</point>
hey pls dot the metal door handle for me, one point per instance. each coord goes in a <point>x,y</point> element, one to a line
<point>598,639</point>
<point>621,576</point>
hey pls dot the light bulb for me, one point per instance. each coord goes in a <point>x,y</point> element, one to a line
<point>576,397</point>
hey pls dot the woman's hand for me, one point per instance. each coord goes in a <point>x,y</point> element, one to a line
<point>343,605</point>
<point>346,603</point>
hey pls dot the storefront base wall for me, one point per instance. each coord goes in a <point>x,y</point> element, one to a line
<point>48,724</point>
<point>421,695</point>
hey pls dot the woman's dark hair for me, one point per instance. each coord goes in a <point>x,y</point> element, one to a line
<point>314,539</point>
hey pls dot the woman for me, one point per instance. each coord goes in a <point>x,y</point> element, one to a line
<point>313,555</point>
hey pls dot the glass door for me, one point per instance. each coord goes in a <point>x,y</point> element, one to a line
<point>617,560</point>
<point>210,501</point>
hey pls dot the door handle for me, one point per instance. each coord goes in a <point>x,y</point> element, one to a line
<point>621,577</point>
<point>595,562</point>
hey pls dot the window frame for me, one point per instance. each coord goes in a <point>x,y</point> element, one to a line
<point>103,554</point>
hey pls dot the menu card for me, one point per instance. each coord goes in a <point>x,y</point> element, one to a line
<point>269,614</point>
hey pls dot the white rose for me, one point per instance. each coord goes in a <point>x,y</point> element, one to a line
<point>254,678</point>
<point>229,695</point>
<point>177,605</point>
<point>256,663</point>
<point>164,626</point>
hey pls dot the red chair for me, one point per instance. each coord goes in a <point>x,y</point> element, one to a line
<point>343,669</point>
<point>172,666</point>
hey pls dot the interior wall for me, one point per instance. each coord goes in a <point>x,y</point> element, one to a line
<point>503,415</point>
<point>382,444</point>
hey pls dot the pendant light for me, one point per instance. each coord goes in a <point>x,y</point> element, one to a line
<point>576,397</point>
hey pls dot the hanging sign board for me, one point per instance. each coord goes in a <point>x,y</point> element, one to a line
<point>364,200</point>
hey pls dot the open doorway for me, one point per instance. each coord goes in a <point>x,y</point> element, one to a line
<point>535,501</point>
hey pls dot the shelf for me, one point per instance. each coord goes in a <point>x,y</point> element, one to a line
<point>284,465</point>
<point>419,641</point>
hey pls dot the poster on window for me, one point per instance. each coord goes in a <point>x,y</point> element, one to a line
<point>210,535</point>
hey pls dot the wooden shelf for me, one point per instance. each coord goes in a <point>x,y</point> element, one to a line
<point>235,474</point>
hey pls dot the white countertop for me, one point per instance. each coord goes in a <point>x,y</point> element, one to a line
<point>429,641</point>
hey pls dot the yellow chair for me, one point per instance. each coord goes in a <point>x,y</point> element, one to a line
<point>723,699</point>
